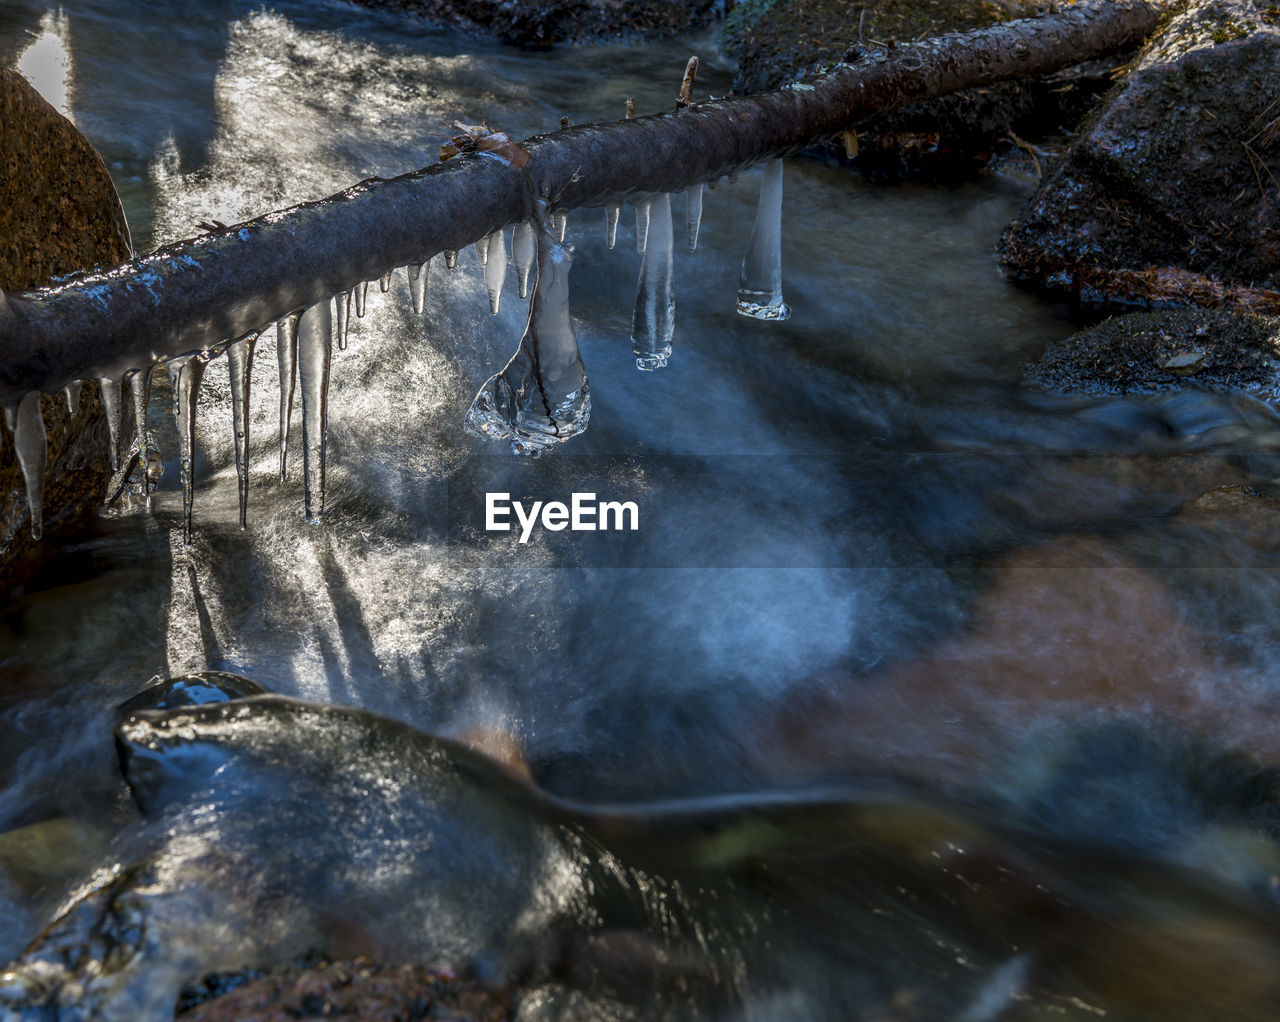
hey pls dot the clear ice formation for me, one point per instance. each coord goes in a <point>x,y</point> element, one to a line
<point>642,224</point>
<point>73,396</point>
<point>384,283</point>
<point>342,303</point>
<point>150,464</point>
<point>560,224</point>
<point>418,285</point>
<point>362,298</point>
<point>32,449</point>
<point>450,259</point>
<point>495,269</point>
<point>541,397</point>
<point>653,323</point>
<point>611,215</point>
<point>240,369</point>
<point>482,251</point>
<point>760,283</point>
<point>315,350</point>
<point>111,406</point>
<point>524,249</point>
<point>693,215</point>
<point>190,371</point>
<point>287,356</point>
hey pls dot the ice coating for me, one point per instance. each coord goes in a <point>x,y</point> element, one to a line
<point>190,370</point>
<point>111,407</point>
<point>541,397</point>
<point>342,304</point>
<point>760,283</point>
<point>73,396</point>
<point>418,285</point>
<point>611,215</point>
<point>240,369</point>
<point>642,224</point>
<point>315,349</point>
<point>32,449</point>
<point>495,269</point>
<point>482,250</point>
<point>362,298</point>
<point>693,215</point>
<point>524,249</point>
<point>653,323</point>
<point>287,357</point>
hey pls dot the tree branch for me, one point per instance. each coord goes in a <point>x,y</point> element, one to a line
<point>197,293</point>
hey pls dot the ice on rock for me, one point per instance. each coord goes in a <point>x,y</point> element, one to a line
<point>342,305</point>
<point>760,283</point>
<point>642,224</point>
<point>482,251</point>
<point>315,351</point>
<point>111,407</point>
<point>495,269</point>
<point>541,397</point>
<point>654,320</point>
<point>190,371</point>
<point>693,215</point>
<point>524,249</point>
<point>32,449</point>
<point>361,293</point>
<point>418,285</point>
<point>73,396</point>
<point>384,283</point>
<point>611,215</point>
<point>287,357</point>
<point>240,369</point>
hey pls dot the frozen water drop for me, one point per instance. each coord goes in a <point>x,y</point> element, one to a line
<point>287,357</point>
<point>450,259</point>
<point>642,224</point>
<point>342,305</point>
<point>482,251</point>
<point>315,351</point>
<point>611,215</point>
<point>693,215</point>
<point>495,270</point>
<point>653,322</point>
<point>240,369</point>
<point>524,249</point>
<point>384,283</point>
<point>418,285</point>
<point>362,298</point>
<point>541,397</point>
<point>73,396</point>
<point>33,450</point>
<point>760,283</point>
<point>111,406</point>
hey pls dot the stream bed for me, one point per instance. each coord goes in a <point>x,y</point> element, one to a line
<point>913,695</point>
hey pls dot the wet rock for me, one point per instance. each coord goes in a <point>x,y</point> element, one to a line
<point>358,989</point>
<point>58,213</point>
<point>1165,350</point>
<point>554,22</point>
<point>48,854</point>
<point>1168,194</point>
<point>777,41</point>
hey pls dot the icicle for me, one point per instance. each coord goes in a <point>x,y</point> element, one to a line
<point>150,464</point>
<point>33,450</point>
<point>362,298</point>
<point>693,215</point>
<point>653,322</point>
<point>73,396</point>
<point>611,215</point>
<point>450,259</point>
<point>111,406</point>
<point>240,368</point>
<point>760,284</point>
<point>287,356</point>
<point>342,303</point>
<point>642,224</point>
<point>495,270</point>
<point>418,285</point>
<point>315,349</point>
<point>190,371</point>
<point>541,397</point>
<point>524,248</point>
<point>482,251</point>
<point>560,224</point>
<point>384,283</point>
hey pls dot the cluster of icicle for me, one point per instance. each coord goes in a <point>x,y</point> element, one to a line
<point>541,397</point>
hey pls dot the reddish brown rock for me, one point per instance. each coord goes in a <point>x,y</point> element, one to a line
<point>58,213</point>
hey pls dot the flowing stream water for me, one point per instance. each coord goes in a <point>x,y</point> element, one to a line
<point>866,559</point>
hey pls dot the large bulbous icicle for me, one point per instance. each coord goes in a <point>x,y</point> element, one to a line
<point>189,371</point>
<point>111,408</point>
<point>760,283</point>
<point>495,269</point>
<point>32,448</point>
<point>240,370</point>
<point>654,320</point>
<point>541,397</point>
<point>287,358</point>
<point>315,351</point>
<point>524,249</point>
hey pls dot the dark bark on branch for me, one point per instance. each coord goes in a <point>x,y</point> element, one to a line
<point>197,293</point>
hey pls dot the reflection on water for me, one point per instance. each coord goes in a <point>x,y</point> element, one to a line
<point>866,563</point>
